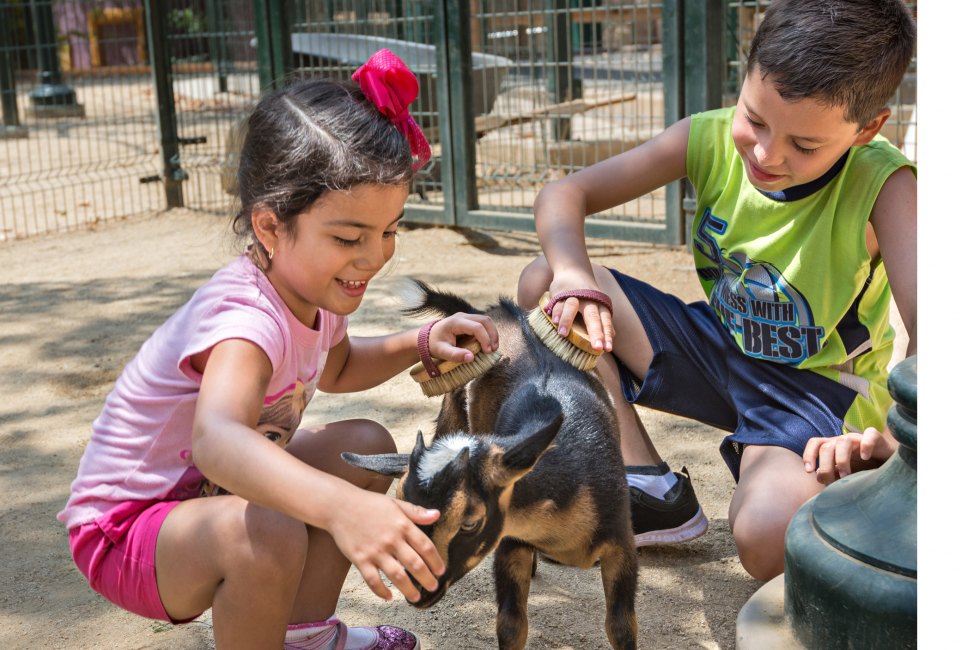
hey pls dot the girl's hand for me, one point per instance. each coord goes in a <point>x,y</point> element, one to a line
<point>597,319</point>
<point>443,336</point>
<point>842,455</point>
<point>378,534</point>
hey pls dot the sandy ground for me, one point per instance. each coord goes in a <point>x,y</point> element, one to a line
<point>75,308</point>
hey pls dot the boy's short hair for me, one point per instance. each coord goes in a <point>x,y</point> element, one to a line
<point>848,53</point>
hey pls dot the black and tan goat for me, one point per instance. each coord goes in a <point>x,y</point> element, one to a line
<point>526,459</point>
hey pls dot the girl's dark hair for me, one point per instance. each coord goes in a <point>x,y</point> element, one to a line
<point>309,138</point>
<point>847,53</point>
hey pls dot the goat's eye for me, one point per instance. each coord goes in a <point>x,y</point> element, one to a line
<point>470,526</point>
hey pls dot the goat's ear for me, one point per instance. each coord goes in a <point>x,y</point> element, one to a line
<point>418,448</point>
<point>520,457</point>
<point>392,465</point>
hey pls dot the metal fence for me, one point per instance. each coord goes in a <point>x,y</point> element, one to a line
<point>116,108</point>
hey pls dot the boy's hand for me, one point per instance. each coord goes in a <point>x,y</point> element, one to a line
<point>842,455</point>
<point>443,336</point>
<point>596,317</point>
<point>378,534</point>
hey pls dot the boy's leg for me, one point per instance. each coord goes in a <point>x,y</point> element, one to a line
<point>663,505</point>
<point>773,485</point>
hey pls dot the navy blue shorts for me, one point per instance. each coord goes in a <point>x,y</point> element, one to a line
<point>698,372</point>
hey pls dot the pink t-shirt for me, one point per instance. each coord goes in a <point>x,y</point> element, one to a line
<point>141,441</point>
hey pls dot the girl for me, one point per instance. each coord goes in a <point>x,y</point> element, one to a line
<point>211,403</point>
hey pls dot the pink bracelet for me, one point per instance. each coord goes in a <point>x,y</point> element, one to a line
<point>586,294</point>
<point>423,349</point>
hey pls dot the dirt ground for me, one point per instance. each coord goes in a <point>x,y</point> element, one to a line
<point>75,308</point>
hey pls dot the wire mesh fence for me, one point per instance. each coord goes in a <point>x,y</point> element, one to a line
<point>552,86</point>
<point>78,128</point>
<point>585,82</point>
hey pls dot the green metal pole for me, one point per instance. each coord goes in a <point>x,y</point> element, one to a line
<point>456,101</point>
<point>162,66</point>
<point>673,99</point>
<point>52,97</point>
<point>8,82</point>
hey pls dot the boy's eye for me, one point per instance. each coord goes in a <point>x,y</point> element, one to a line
<point>803,150</point>
<point>346,242</point>
<point>391,234</point>
<point>752,121</point>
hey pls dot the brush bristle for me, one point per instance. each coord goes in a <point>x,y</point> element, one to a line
<point>460,375</point>
<point>546,331</point>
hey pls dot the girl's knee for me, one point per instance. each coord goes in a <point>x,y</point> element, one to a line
<point>268,543</point>
<point>369,437</point>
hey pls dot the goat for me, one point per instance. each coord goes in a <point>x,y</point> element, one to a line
<point>526,459</point>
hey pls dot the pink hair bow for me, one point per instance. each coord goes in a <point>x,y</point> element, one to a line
<point>387,82</point>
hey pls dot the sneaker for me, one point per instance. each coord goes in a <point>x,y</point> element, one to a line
<point>381,637</point>
<point>677,517</point>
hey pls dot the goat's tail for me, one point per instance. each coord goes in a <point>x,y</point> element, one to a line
<point>420,299</point>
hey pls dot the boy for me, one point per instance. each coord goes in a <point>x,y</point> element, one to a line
<point>805,223</point>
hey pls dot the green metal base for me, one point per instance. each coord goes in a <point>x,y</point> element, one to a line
<point>762,623</point>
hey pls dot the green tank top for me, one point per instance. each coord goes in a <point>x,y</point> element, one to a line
<point>791,278</point>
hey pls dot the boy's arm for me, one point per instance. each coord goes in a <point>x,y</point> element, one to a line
<point>894,220</point>
<point>562,206</point>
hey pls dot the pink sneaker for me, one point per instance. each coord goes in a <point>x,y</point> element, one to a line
<point>320,636</point>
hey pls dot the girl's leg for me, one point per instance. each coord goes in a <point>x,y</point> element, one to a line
<point>325,567</point>
<point>773,485</point>
<point>259,569</point>
<point>242,559</point>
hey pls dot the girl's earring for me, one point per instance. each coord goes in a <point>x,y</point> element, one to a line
<point>270,254</point>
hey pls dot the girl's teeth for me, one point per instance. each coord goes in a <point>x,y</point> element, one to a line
<point>353,284</point>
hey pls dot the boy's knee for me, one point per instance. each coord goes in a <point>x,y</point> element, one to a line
<point>760,546</point>
<point>534,280</point>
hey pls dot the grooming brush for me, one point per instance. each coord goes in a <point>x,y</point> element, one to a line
<point>451,375</point>
<point>575,348</point>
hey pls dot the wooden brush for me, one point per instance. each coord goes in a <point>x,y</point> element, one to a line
<point>575,348</point>
<point>454,374</point>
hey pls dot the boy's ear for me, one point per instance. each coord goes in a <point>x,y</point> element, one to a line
<point>872,127</point>
<point>266,227</point>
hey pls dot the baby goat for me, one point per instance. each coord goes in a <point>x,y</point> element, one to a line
<point>526,459</point>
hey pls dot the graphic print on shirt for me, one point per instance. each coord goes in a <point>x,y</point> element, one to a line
<point>279,419</point>
<point>768,317</point>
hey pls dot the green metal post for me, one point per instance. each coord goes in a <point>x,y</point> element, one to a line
<point>562,86</point>
<point>8,82</point>
<point>455,96</point>
<point>673,110</point>
<point>218,47</point>
<point>52,97</point>
<point>704,22</point>
<point>274,51</point>
<point>162,66</point>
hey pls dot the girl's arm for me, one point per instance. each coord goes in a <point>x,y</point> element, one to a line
<point>231,453</point>
<point>363,362</point>
<point>562,207</point>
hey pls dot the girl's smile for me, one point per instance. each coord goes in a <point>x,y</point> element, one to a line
<point>328,256</point>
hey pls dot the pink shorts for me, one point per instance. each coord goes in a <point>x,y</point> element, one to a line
<point>117,551</point>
